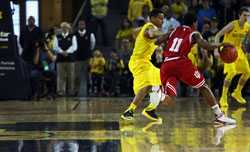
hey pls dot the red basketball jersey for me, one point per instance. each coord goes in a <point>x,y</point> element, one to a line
<point>180,42</point>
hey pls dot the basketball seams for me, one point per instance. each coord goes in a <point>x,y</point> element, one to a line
<point>228,54</point>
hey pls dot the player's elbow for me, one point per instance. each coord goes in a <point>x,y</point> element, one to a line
<point>158,41</point>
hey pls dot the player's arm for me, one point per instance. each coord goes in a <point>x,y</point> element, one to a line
<point>196,38</point>
<point>136,32</point>
<point>229,27</point>
<point>163,38</point>
<point>152,32</point>
<point>248,34</point>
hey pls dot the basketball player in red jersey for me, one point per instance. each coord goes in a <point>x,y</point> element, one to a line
<point>177,66</point>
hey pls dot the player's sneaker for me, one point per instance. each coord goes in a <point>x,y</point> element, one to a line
<point>128,115</point>
<point>150,114</point>
<point>223,102</point>
<point>221,119</point>
<point>238,97</point>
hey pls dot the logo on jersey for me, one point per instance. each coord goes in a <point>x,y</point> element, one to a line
<point>197,74</point>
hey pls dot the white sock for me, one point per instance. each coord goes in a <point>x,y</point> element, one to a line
<point>163,96</point>
<point>217,110</point>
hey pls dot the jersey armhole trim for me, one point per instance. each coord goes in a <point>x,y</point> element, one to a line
<point>190,36</point>
<point>172,32</point>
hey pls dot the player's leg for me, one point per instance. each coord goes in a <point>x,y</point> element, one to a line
<point>193,77</point>
<point>155,79</point>
<point>243,67</point>
<point>128,114</point>
<point>143,81</point>
<point>210,99</point>
<point>231,72</point>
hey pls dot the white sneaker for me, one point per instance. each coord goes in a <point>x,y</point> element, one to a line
<point>221,119</point>
<point>220,132</point>
<point>155,96</point>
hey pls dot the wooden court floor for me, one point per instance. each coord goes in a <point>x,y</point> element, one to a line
<point>94,125</point>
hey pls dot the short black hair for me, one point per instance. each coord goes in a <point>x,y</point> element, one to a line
<point>243,9</point>
<point>155,13</point>
<point>113,50</point>
<point>189,19</point>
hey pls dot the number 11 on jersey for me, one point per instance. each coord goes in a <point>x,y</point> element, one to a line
<point>176,44</point>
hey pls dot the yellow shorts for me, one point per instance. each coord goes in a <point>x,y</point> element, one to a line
<point>144,73</point>
<point>241,65</point>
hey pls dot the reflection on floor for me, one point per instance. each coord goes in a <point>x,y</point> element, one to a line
<point>94,124</point>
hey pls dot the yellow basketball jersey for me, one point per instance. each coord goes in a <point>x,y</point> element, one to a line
<point>144,47</point>
<point>237,35</point>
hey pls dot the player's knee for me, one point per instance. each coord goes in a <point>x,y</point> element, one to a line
<point>204,87</point>
<point>245,76</point>
<point>230,76</point>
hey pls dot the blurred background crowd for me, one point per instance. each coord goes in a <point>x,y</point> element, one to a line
<point>91,57</point>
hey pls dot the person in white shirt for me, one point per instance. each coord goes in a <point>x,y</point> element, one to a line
<point>86,43</point>
<point>169,21</point>
<point>65,45</point>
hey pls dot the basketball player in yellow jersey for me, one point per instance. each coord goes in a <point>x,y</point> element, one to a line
<point>234,33</point>
<point>145,74</point>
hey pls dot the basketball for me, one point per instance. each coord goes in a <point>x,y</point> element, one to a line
<point>228,54</point>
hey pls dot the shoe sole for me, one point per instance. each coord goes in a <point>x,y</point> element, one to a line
<point>224,123</point>
<point>125,118</point>
<point>149,117</point>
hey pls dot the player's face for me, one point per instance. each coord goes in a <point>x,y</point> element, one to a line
<point>158,20</point>
<point>244,16</point>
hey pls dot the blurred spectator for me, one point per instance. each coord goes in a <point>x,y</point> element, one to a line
<point>126,31</point>
<point>205,62</point>
<point>135,8</point>
<point>164,9</point>
<point>184,11</point>
<point>44,63</point>
<point>56,30</point>
<point>158,57</point>
<point>126,51</point>
<point>65,45</point>
<point>97,64</point>
<point>114,65</point>
<point>177,8</point>
<point>28,36</point>
<point>205,14</point>
<point>227,10</point>
<point>85,45</point>
<point>140,23</point>
<point>195,6</point>
<point>210,35</point>
<point>205,28</point>
<point>126,81</point>
<point>145,14</point>
<point>99,10</point>
<point>169,22</point>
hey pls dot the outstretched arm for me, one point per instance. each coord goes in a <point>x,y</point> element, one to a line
<point>163,38</point>
<point>229,27</point>
<point>196,38</point>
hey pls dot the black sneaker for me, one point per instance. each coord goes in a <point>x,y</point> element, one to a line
<point>128,115</point>
<point>150,114</point>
